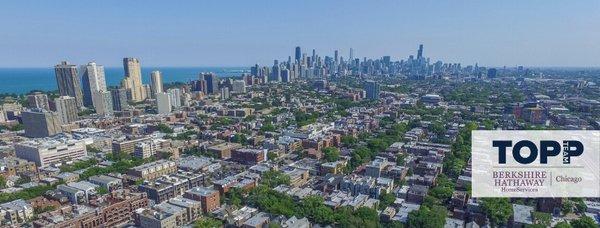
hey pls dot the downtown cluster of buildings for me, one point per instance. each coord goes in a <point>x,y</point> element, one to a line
<point>303,65</point>
<point>152,156</point>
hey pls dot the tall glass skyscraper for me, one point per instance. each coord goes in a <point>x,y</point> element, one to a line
<point>298,54</point>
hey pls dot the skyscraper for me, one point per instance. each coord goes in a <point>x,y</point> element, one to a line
<point>225,95</point>
<point>41,123</point>
<point>147,91</point>
<point>157,83</point>
<point>275,72</point>
<point>103,103</point>
<point>92,78</point>
<point>351,57</point>
<point>38,100</point>
<point>133,78</point>
<point>298,54</point>
<point>175,96</point>
<point>66,107</point>
<point>336,57</point>
<point>212,83</point>
<point>119,99</point>
<point>254,71</point>
<point>163,103</point>
<point>239,86</point>
<point>420,52</point>
<point>372,90</point>
<point>68,81</point>
<point>285,75</point>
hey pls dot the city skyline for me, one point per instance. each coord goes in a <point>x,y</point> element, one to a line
<point>351,113</point>
<point>242,34</point>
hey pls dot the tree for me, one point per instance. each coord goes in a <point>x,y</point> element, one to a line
<point>101,190</point>
<point>434,217</point>
<point>17,127</point>
<point>542,218</point>
<point>331,154</point>
<point>93,149</point>
<point>274,225</point>
<point>567,206</point>
<point>497,209</point>
<point>164,128</point>
<point>401,159</point>
<point>314,208</point>
<point>584,222</point>
<point>272,155</point>
<point>208,223</point>
<point>362,217</point>
<point>240,138</point>
<point>580,205</point>
<point>394,224</point>
<point>437,128</point>
<point>275,178</point>
<point>563,224</point>
<point>267,127</point>
<point>535,226</point>
<point>79,165</point>
<point>386,199</point>
<point>271,201</point>
<point>349,140</point>
<point>303,118</point>
<point>86,112</point>
<point>2,182</point>
<point>444,188</point>
<point>234,196</point>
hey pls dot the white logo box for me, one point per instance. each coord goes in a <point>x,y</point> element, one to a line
<point>580,178</point>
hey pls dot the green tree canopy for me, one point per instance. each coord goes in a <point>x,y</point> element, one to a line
<point>497,209</point>
<point>434,217</point>
<point>331,154</point>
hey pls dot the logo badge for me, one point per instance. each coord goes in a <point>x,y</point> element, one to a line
<point>535,163</point>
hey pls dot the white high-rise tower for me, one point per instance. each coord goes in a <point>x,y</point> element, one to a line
<point>157,83</point>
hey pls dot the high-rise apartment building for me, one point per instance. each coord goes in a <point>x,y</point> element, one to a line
<point>119,99</point>
<point>163,102</point>
<point>175,96</point>
<point>157,83</point>
<point>66,107</point>
<point>212,83</point>
<point>68,81</point>
<point>133,78</point>
<point>40,123</point>
<point>38,100</point>
<point>372,89</point>
<point>239,86</point>
<point>225,93</point>
<point>103,103</point>
<point>93,81</point>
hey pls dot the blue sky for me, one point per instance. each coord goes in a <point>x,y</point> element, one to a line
<point>241,33</point>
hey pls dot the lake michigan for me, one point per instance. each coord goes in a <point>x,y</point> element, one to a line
<point>23,80</point>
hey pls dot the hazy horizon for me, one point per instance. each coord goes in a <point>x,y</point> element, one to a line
<point>545,34</point>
